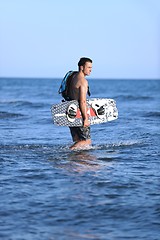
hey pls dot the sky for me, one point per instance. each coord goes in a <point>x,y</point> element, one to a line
<point>46,38</point>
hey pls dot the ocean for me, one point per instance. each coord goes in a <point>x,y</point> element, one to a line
<point>108,192</point>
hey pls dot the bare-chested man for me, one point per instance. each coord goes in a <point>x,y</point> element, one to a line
<point>78,91</point>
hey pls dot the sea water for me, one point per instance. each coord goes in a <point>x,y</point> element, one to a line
<point>110,191</point>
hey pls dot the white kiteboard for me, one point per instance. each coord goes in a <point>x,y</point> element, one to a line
<point>99,110</point>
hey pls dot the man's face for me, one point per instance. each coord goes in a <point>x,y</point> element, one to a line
<point>87,68</point>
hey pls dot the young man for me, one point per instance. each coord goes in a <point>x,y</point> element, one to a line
<point>78,91</point>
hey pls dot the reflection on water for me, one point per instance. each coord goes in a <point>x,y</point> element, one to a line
<point>81,156</point>
<point>83,160</point>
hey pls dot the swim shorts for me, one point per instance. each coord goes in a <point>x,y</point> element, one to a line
<point>80,133</point>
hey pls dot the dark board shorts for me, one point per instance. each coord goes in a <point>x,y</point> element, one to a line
<point>80,133</point>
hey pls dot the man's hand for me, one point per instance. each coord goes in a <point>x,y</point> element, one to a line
<point>86,123</point>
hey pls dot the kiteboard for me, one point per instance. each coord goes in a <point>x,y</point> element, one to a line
<point>99,110</point>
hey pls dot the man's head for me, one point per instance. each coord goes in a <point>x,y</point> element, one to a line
<point>85,65</point>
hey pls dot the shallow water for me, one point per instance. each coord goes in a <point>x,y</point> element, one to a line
<point>110,191</point>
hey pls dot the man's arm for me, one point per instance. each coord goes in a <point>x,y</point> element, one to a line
<point>83,104</point>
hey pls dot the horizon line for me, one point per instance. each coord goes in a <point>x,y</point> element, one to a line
<point>101,78</point>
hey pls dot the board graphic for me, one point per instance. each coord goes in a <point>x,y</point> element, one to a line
<point>99,110</point>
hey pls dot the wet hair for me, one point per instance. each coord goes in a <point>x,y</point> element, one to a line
<point>83,61</point>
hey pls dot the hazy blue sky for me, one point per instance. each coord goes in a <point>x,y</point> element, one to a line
<point>46,38</point>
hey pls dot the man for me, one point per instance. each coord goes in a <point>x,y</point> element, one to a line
<point>78,91</point>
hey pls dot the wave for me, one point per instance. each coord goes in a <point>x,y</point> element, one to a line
<point>19,103</point>
<point>65,148</point>
<point>33,147</point>
<point>10,115</point>
<point>133,97</point>
<point>152,114</point>
<point>120,144</point>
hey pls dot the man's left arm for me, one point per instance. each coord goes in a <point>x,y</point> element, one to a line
<point>83,104</point>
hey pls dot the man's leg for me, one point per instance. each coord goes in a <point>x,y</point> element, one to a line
<point>81,144</point>
<point>80,136</point>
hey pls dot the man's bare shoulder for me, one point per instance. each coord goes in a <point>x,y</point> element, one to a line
<point>81,79</point>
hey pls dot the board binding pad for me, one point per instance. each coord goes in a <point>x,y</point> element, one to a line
<point>99,110</point>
